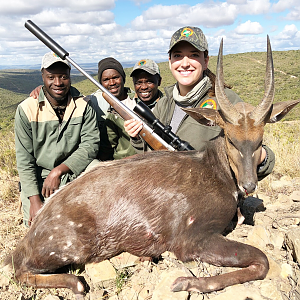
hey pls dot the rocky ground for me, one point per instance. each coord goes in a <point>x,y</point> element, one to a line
<point>272,225</point>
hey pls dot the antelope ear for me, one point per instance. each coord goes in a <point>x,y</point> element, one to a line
<point>280,109</point>
<point>205,116</point>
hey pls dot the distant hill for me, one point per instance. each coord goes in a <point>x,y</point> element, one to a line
<point>245,72</point>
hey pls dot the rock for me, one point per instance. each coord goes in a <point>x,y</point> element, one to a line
<point>270,291</point>
<point>259,237</point>
<point>295,196</point>
<point>114,297</point>
<point>100,272</point>
<point>124,260</point>
<point>51,297</point>
<point>168,254</point>
<point>286,271</point>
<point>21,297</point>
<point>278,184</point>
<point>129,294</point>
<point>292,241</point>
<point>163,288</point>
<point>239,292</point>
<point>285,178</point>
<point>5,275</point>
<point>96,295</point>
<point>266,199</point>
<point>284,199</point>
<point>274,269</point>
<point>277,239</point>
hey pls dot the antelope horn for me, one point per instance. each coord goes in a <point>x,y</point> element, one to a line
<point>259,113</point>
<point>226,107</point>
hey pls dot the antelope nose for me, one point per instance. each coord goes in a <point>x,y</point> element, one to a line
<point>249,187</point>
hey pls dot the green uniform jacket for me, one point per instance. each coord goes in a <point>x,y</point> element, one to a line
<point>118,138</point>
<point>194,133</point>
<point>42,143</point>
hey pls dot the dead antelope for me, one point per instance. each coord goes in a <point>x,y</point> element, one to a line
<point>157,202</point>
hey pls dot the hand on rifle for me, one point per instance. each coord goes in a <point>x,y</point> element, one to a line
<point>133,127</point>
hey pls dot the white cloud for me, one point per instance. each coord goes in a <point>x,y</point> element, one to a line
<point>254,7</point>
<point>282,5</point>
<point>249,28</point>
<point>58,16</point>
<point>212,15</point>
<point>32,7</point>
<point>288,38</point>
<point>237,1</point>
<point>159,12</point>
<point>139,2</point>
<point>289,31</point>
<point>90,31</point>
<point>294,15</point>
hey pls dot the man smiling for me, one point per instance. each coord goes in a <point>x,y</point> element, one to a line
<point>146,79</point>
<point>56,136</point>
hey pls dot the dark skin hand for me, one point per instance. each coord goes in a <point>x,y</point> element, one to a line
<point>35,93</point>
<point>51,184</point>
<point>35,205</point>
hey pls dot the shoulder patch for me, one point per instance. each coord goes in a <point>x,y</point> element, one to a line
<point>209,103</point>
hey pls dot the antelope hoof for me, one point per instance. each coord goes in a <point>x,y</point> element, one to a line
<point>180,284</point>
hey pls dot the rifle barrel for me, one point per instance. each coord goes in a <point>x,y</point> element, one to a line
<point>63,54</point>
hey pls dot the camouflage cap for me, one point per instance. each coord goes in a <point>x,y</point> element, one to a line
<point>147,65</point>
<point>192,35</point>
<point>51,58</point>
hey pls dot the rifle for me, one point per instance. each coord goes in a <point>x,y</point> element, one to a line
<point>147,133</point>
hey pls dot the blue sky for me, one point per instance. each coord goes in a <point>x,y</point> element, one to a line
<point>130,30</point>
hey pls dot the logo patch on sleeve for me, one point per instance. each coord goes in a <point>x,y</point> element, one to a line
<point>209,103</point>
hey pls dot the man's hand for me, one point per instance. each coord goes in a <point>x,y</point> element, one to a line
<point>35,205</point>
<point>133,127</point>
<point>263,155</point>
<point>52,181</point>
<point>35,93</point>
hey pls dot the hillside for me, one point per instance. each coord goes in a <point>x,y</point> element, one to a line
<point>245,72</point>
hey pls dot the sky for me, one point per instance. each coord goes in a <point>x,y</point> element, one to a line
<point>130,30</point>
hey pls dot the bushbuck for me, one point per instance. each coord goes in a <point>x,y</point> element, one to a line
<point>159,201</point>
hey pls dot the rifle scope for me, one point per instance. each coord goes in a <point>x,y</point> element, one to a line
<point>145,112</point>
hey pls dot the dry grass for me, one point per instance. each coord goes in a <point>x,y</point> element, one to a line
<point>8,169</point>
<point>284,139</point>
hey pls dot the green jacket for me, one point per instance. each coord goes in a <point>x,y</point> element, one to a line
<point>118,138</point>
<point>42,143</point>
<point>194,133</point>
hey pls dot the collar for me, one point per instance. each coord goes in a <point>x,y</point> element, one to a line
<point>159,95</point>
<point>73,92</point>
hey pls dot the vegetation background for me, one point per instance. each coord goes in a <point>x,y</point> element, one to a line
<point>245,72</point>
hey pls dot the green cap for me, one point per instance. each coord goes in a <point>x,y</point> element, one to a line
<point>148,65</point>
<point>192,35</point>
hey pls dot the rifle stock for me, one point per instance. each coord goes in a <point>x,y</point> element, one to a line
<point>146,133</point>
